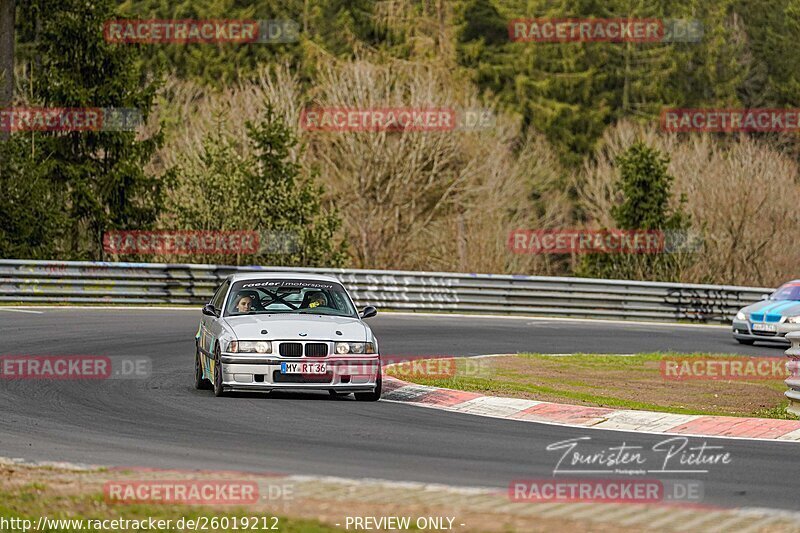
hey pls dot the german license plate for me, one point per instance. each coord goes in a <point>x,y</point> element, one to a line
<point>771,328</point>
<point>304,368</point>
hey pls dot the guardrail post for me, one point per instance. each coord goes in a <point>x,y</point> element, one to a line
<point>793,367</point>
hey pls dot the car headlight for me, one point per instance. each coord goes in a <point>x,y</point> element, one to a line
<point>793,320</point>
<point>249,347</point>
<point>741,316</point>
<point>354,347</point>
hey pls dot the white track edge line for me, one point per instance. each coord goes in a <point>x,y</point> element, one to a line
<point>593,427</point>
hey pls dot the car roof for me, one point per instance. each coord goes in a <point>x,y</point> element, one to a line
<point>241,276</point>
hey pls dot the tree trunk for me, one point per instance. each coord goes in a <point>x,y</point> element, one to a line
<point>442,37</point>
<point>7,13</point>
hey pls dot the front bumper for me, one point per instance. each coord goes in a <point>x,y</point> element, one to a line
<point>344,373</point>
<point>742,329</point>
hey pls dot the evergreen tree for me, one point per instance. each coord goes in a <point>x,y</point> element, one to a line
<point>265,192</point>
<point>713,69</point>
<point>31,209</point>
<point>102,173</point>
<point>772,29</point>
<point>645,187</point>
<point>214,64</point>
<point>325,27</point>
<point>572,91</point>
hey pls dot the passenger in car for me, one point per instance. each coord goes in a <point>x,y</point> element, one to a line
<point>315,299</point>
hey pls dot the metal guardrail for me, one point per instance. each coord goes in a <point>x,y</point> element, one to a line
<point>793,367</point>
<point>23,281</point>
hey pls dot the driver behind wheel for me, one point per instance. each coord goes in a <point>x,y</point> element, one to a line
<point>245,302</point>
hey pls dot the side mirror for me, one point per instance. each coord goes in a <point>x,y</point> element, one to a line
<point>369,312</point>
<point>210,310</point>
<point>765,296</point>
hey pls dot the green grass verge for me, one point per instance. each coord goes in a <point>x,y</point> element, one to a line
<point>628,382</point>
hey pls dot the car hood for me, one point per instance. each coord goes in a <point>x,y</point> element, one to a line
<point>290,327</point>
<point>772,310</point>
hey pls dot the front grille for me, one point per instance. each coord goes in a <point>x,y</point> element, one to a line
<point>316,349</point>
<point>291,349</point>
<point>277,377</point>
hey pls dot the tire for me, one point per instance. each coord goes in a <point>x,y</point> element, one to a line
<point>200,383</point>
<point>373,396</point>
<point>219,388</point>
<point>747,342</point>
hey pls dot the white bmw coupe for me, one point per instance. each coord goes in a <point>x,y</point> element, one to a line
<point>286,331</point>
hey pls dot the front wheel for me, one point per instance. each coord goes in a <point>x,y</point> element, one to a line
<point>373,396</point>
<point>219,388</point>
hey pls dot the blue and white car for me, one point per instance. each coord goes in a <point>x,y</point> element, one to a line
<point>771,319</point>
<point>264,332</point>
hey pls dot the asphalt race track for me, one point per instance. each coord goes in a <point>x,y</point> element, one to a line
<point>163,422</point>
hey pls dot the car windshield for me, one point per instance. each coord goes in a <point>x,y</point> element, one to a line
<point>286,296</point>
<point>790,291</point>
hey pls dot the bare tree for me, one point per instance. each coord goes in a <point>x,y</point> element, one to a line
<point>741,193</point>
<point>444,200</point>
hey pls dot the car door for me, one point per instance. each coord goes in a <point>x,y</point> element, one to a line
<point>216,324</point>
